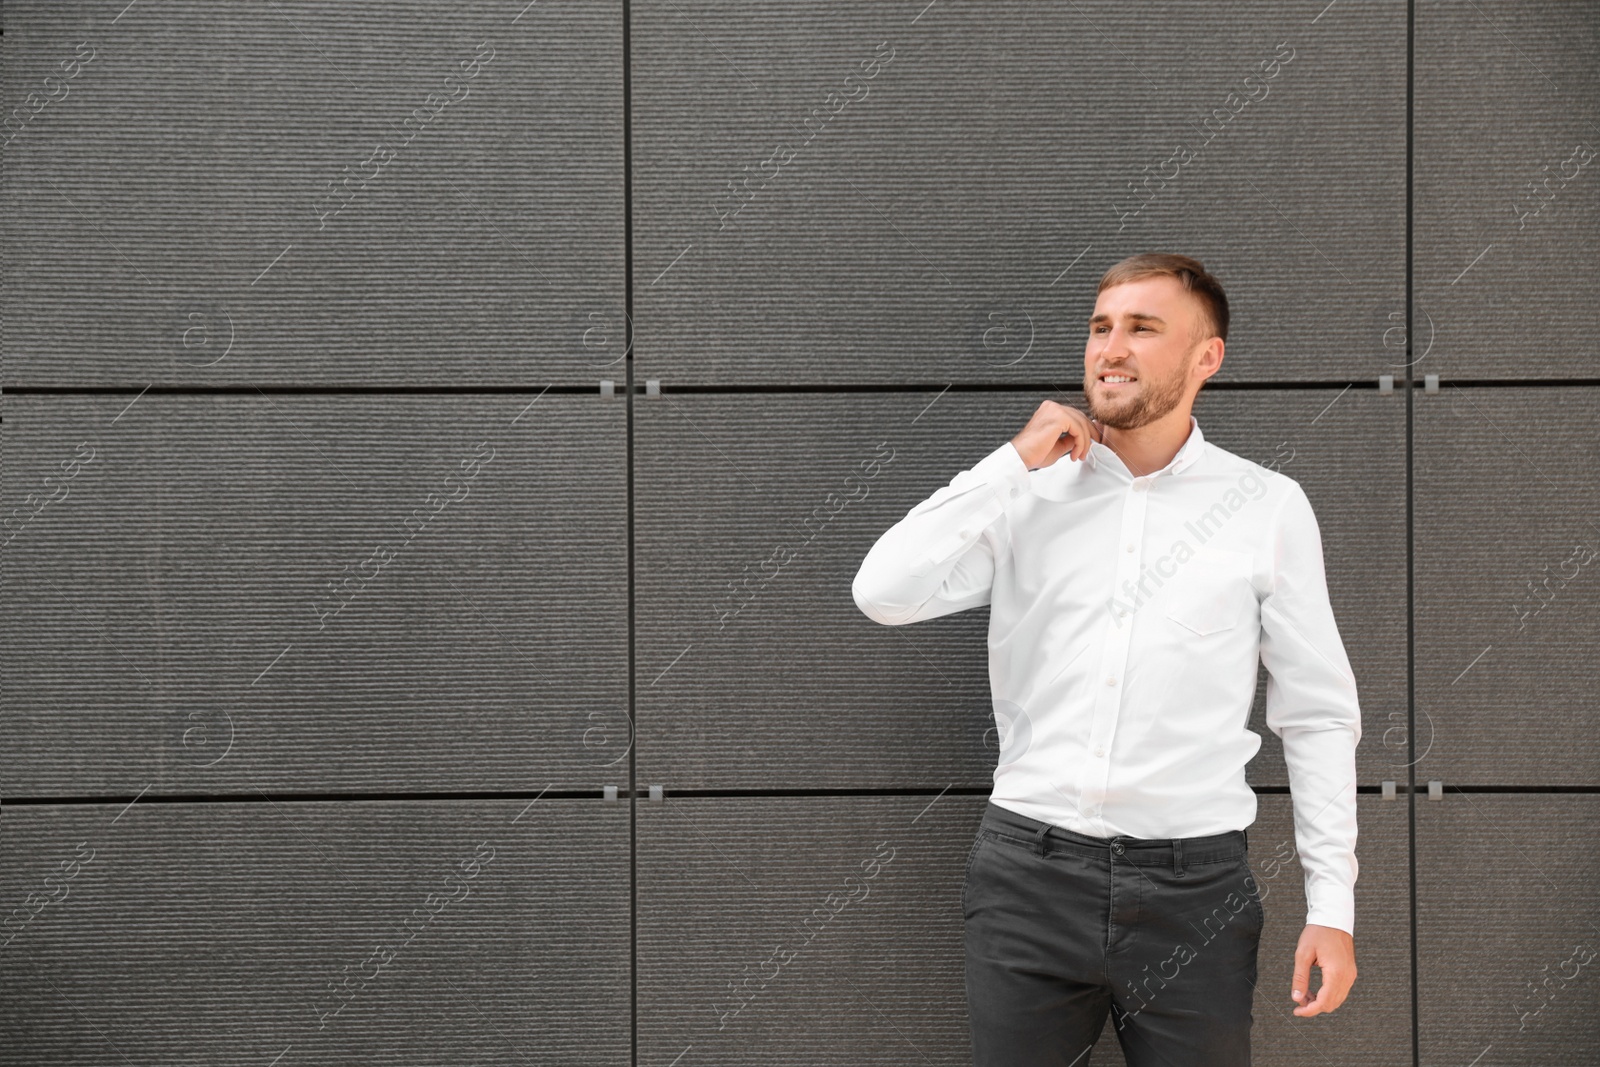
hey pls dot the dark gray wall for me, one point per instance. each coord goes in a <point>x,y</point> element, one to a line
<point>362,573</point>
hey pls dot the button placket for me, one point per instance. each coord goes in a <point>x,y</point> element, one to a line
<point>1114,660</point>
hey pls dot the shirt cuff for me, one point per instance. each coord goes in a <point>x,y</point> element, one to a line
<point>1004,470</point>
<point>1337,910</point>
<point>1005,475</point>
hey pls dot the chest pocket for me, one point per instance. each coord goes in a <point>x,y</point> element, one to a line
<point>1213,591</point>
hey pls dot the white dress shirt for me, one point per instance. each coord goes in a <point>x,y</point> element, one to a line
<point>1126,619</point>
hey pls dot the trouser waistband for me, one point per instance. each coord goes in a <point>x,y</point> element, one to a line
<point>1145,852</point>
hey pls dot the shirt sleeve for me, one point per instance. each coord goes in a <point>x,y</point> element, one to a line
<point>1312,706</point>
<point>936,560</point>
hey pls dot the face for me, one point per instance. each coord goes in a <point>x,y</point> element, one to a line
<point>1145,330</point>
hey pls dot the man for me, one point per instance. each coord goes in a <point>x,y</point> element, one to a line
<point>1133,590</point>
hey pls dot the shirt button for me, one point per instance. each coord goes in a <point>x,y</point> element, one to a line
<point>1141,484</point>
<point>1112,680</point>
<point>966,533</point>
<point>1099,752</point>
<point>1127,548</point>
<point>1015,491</point>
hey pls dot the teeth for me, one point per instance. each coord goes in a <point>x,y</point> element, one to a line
<point>1116,378</point>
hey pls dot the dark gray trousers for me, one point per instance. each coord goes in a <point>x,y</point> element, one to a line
<point>1063,929</point>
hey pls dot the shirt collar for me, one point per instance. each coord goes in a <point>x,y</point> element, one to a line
<point>1192,448</point>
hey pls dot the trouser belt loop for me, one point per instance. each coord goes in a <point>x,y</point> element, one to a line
<point>1039,842</point>
<point>1177,856</point>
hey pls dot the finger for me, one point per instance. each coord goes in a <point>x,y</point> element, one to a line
<point>1057,450</point>
<point>1331,992</point>
<point>1328,999</point>
<point>1080,442</point>
<point>1334,989</point>
<point>1310,1003</point>
<point>1067,444</point>
<point>1300,988</point>
<point>1318,1004</point>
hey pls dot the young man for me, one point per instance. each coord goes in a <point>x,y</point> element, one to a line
<point>1133,590</point>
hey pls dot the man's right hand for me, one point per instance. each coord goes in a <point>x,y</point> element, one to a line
<point>1055,431</point>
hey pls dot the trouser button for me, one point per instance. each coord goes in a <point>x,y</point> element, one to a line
<point>1116,846</point>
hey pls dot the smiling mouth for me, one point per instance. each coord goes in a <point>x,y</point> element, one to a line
<point>1107,384</point>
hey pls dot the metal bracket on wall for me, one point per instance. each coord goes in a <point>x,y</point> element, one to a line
<point>1430,383</point>
<point>1388,790</point>
<point>1385,383</point>
<point>610,794</point>
<point>608,387</point>
<point>657,792</point>
<point>1436,790</point>
<point>652,387</point>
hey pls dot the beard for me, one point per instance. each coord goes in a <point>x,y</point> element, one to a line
<point>1131,407</point>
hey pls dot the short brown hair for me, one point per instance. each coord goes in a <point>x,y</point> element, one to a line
<point>1190,272</point>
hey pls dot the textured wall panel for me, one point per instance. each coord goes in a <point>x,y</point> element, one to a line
<point>169,218</point>
<point>731,973</point>
<point>779,680</point>
<point>724,884</point>
<point>1507,181</point>
<point>855,193</point>
<point>167,591</point>
<point>1508,561</point>
<point>216,933</point>
<point>1373,1027</point>
<point>1507,945</point>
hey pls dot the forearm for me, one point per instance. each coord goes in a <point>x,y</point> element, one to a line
<point>1322,784</point>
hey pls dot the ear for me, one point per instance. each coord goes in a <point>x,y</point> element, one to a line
<point>1206,348</point>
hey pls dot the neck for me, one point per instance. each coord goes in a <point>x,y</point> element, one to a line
<point>1150,447</point>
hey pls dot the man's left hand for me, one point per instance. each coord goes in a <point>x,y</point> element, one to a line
<point>1334,951</point>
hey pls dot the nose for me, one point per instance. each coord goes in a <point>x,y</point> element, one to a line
<point>1114,348</point>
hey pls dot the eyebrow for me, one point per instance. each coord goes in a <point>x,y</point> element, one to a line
<point>1135,315</point>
